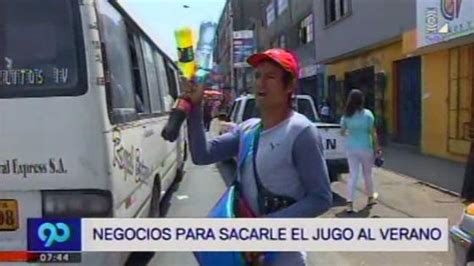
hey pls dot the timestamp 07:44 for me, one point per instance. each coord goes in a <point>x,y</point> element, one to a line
<point>54,257</point>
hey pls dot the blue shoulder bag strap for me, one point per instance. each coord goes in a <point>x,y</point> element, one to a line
<point>250,140</point>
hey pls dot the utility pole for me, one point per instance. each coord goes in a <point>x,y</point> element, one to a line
<point>231,33</point>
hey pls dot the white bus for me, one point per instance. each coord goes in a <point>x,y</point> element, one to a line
<point>84,95</point>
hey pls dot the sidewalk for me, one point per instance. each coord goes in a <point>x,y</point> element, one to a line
<point>399,197</point>
<point>411,162</point>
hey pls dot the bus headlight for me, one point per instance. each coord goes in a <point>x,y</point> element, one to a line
<point>77,203</point>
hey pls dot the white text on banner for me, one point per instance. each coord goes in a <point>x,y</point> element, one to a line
<point>264,235</point>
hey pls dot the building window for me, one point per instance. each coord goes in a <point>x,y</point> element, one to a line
<point>306,30</point>
<point>275,43</point>
<point>336,10</point>
<point>331,11</point>
<point>282,41</point>
<point>270,13</point>
<point>282,5</point>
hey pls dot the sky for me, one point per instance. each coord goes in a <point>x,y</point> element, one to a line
<point>159,18</point>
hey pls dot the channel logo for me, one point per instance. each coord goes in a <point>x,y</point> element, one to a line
<point>54,234</point>
<point>451,9</point>
<point>431,20</point>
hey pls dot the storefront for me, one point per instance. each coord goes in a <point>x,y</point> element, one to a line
<point>373,72</point>
<point>446,44</point>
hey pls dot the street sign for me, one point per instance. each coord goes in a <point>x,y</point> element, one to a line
<point>243,43</point>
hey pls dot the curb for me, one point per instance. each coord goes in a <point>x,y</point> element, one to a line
<point>428,184</point>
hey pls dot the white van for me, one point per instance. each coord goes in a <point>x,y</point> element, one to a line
<point>244,108</point>
<point>84,95</point>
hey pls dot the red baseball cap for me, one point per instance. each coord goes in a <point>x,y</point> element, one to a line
<point>280,56</point>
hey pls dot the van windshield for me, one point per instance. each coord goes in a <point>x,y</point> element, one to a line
<point>250,110</point>
<point>40,48</point>
<point>303,107</point>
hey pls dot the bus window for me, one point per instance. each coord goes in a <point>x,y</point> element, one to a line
<point>41,49</point>
<point>153,83</point>
<point>165,92</point>
<point>119,70</point>
<point>171,76</point>
<point>141,92</point>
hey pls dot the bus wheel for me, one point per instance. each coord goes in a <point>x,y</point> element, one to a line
<point>180,174</point>
<point>185,155</point>
<point>180,170</point>
<point>155,210</point>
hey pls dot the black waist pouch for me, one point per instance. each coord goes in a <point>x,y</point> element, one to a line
<point>269,202</point>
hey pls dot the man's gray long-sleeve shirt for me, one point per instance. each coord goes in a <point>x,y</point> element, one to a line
<point>289,162</point>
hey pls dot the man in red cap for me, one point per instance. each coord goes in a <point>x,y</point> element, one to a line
<point>276,76</point>
<point>281,168</point>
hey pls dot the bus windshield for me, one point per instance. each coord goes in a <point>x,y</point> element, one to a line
<point>40,48</point>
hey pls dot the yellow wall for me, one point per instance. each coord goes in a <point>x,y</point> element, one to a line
<point>435,67</point>
<point>435,88</point>
<point>382,61</point>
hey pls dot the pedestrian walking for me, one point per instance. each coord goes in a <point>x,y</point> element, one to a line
<point>325,111</point>
<point>281,168</point>
<point>357,124</point>
<point>207,114</point>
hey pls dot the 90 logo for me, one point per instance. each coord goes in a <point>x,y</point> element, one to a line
<point>51,233</point>
<point>54,234</point>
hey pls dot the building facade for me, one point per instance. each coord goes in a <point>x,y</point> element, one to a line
<point>290,25</point>
<point>419,86</point>
<point>446,45</point>
<point>359,41</point>
<point>238,16</point>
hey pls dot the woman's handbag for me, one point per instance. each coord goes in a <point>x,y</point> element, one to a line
<point>379,161</point>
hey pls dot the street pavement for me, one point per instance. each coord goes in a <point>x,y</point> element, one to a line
<point>399,196</point>
<point>197,193</point>
<point>440,172</point>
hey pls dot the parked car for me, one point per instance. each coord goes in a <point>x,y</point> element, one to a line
<point>462,237</point>
<point>244,108</point>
